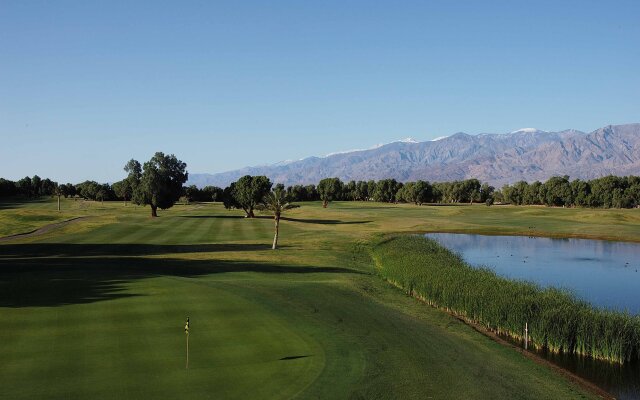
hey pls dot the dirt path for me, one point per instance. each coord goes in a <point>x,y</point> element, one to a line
<point>40,231</point>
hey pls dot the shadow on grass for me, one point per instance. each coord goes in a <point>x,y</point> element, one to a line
<point>19,202</point>
<point>226,217</point>
<point>366,208</point>
<point>214,216</point>
<point>293,357</point>
<point>450,204</point>
<point>36,250</point>
<point>45,279</point>
<point>324,221</point>
<point>304,221</point>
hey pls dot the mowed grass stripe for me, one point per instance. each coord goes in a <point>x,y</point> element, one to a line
<point>238,229</point>
<point>151,231</point>
<point>128,232</point>
<point>176,230</point>
<point>198,234</point>
<point>216,226</point>
<point>263,227</point>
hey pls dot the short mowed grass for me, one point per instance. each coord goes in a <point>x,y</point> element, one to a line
<point>95,309</point>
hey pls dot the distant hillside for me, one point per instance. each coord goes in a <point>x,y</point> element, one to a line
<point>527,154</point>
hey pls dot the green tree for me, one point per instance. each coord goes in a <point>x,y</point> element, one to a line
<point>362,191</point>
<point>228,199</point>
<point>472,189</point>
<point>24,186</point>
<point>422,192</point>
<point>192,193</point>
<point>297,193</point>
<point>328,189</point>
<point>580,191</point>
<point>7,188</point>
<point>557,191</point>
<point>279,186</point>
<point>406,194</point>
<point>415,192</point>
<point>486,192</point>
<point>212,193</point>
<point>122,190</point>
<point>349,191</point>
<point>159,183</point>
<point>603,189</point>
<point>312,193</point>
<point>47,187</point>
<point>88,189</point>
<point>532,193</point>
<point>276,202</point>
<point>386,190</point>
<point>633,190</point>
<point>36,182</point>
<point>101,193</point>
<point>249,191</point>
<point>518,193</point>
<point>437,194</point>
<point>69,190</point>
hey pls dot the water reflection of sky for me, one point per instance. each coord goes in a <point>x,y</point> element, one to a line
<point>604,273</point>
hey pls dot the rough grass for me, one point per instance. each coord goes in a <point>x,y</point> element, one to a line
<point>96,309</point>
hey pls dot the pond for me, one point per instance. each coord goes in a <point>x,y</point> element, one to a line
<point>606,274</point>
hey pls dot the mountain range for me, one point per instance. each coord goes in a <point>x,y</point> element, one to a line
<point>526,154</point>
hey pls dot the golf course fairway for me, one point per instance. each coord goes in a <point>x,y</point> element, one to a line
<point>95,308</point>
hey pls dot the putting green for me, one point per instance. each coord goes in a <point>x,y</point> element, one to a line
<point>134,346</point>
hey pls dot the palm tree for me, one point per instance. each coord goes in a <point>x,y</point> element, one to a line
<point>277,202</point>
<point>58,190</point>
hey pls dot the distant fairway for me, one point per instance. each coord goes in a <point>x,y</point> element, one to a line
<point>95,309</point>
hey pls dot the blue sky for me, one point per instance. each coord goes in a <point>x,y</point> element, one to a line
<point>87,85</point>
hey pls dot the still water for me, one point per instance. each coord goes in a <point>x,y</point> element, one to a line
<point>606,274</point>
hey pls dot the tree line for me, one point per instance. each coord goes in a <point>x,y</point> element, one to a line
<point>247,192</point>
<point>385,190</point>
<point>605,192</point>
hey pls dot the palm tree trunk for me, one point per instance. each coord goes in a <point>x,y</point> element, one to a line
<point>275,238</point>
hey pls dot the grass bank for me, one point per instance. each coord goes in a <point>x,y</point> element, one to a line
<point>557,320</point>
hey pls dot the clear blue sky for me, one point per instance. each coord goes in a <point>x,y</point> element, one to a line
<point>87,85</point>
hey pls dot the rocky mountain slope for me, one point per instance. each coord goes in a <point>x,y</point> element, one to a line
<point>526,154</point>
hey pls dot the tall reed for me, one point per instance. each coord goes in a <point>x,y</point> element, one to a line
<point>557,320</point>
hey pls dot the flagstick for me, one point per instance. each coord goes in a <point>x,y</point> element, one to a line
<point>187,351</point>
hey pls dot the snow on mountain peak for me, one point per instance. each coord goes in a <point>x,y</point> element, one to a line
<point>409,140</point>
<point>527,130</point>
<point>353,150</point>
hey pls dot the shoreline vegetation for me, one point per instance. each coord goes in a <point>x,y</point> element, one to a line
<point>557,320</point>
